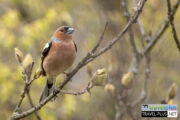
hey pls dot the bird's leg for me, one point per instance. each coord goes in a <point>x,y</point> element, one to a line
<point>67,75</point>
<point>54,89</point>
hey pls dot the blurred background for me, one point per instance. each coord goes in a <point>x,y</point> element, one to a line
<point>28,25</point>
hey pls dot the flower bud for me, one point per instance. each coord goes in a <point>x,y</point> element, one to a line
<point>38,73</point>
<point>27,63</point>
<point>172,91</point>
<point>127,79</point>
<point>99,77</point>
<point>109,88</point>
<point>89,69</point>
<point>170,102</point>
<point>18,55</point>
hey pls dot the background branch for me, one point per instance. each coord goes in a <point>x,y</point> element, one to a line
<point>171,20</point>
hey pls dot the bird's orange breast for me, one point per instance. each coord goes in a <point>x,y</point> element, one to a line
<point>60,57</point>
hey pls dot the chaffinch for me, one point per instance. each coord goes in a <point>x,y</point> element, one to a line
<point>58,54</point>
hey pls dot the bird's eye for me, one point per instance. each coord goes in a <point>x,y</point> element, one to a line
<point>62,30</point>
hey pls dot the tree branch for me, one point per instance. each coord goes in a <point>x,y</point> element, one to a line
<point>87,90</point>
<point>171,20</point>
<point>130,32</point>
<point>141,28</point>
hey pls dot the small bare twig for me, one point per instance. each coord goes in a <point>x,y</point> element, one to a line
<point>171,20</point>
<point>100,39</point>
<point>88,88</point>
<point>32,105</point>
<point>17,109</point>
<point>131,35</point>
<point>144,90</point>
<point>141,28</point>
<point>25,78</point>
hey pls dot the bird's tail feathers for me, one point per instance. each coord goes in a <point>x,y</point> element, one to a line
<point>48,89</point>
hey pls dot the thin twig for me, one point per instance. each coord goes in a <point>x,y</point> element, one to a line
<point>21,99</point>
<point>77,93</point>
<point>130,32</point>
<point>24,76</point>
<point>144,90</point>
<point>171,20</point>
<point>100,39</point>
<point>141,28</point>
<point>32,105</point>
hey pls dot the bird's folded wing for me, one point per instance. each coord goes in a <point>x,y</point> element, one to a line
<point>75,45</point>
<point>44,54</point>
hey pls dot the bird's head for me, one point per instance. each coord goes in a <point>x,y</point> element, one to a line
<point>64,33</point>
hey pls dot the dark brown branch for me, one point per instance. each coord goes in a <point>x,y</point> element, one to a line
<point>88,58</point>
<point>171,20</point>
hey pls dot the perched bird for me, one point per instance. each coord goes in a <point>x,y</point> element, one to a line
<point>58,55</point>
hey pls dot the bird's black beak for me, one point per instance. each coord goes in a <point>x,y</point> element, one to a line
<point>70,31</point>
